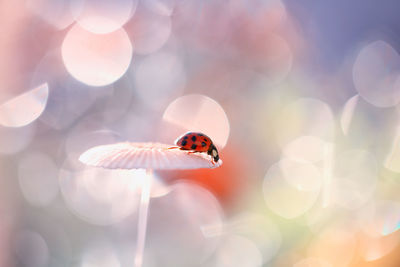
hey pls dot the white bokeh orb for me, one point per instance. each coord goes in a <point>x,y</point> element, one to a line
<point>96,59</point>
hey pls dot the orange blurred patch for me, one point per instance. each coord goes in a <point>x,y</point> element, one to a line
<point>376,252</point>
<point>228,183</point>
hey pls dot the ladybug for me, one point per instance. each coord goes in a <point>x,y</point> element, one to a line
<point>197,142</point>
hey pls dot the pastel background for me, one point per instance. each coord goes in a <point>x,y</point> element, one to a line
<point>301,98</point>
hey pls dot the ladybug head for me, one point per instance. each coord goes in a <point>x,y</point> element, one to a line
<point>213,152</point>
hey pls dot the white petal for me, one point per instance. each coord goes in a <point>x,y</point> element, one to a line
<point>145,156</point>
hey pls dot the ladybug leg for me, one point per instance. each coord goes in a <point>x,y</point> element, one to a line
<point>173,147</point>
<point>191,152</point>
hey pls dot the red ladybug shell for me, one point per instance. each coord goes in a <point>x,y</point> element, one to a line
<point>194,141</point>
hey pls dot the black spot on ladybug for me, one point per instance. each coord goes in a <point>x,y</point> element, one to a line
<point>193,146</point>
<point>184,142</point>
<point>185,137</point>
<point>203,144</point>
<point>193,138</point>
<point>200,134</point>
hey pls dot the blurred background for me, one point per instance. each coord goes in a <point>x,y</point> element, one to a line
<point>301,98</point>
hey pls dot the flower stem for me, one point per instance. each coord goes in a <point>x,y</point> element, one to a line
<point>142,221</point>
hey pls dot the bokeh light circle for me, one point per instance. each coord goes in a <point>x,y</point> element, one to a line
<point>304,117</point>
<point>150,31</point>
<point>162,7</point>
<point>199,113</point>
<point>381,218</point>
<point>290,190</point>
<point>392,160</point>
<point>54,12</point>
<point>68,98</point>
<point>258,229</point>
<point>348,113</point>
<point>333,241</point>
<point>376,74</point>
<point>95,59</point>
<point>276,65</point>
<point>355,177</point>
<point>14,140</point>
<point>100,255</point>
<point>301,175</point>
<point>375,247</point>
<point>321,214</point>
<point>184,226</point>
<point>159,78</point>
<point>305,149</point>
<point>103,16</point>
<point>37,175</point>
<point>25,108</point>
<point>378,222</point>
<point>238,251</point>
<point>31,249</point>
<point>101,196</point>
<point>366,126</point>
